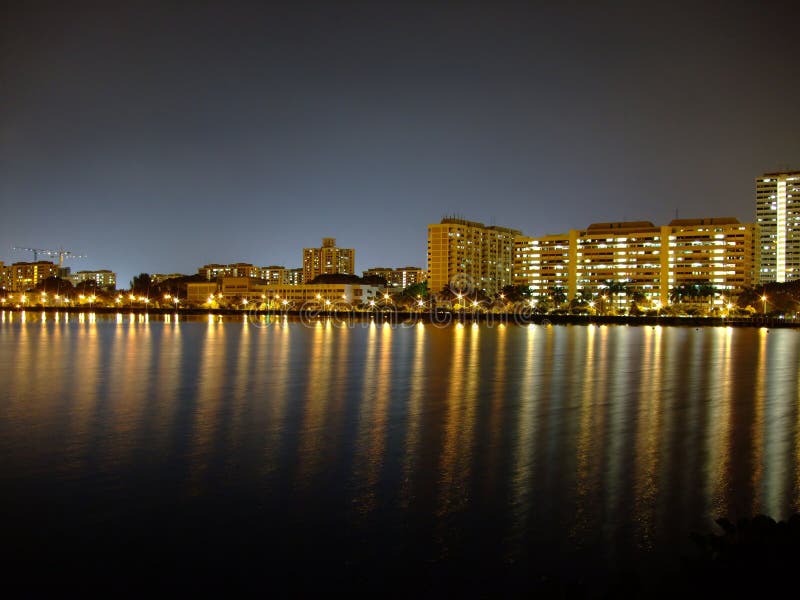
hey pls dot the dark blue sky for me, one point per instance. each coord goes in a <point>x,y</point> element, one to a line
<point>158,136</point>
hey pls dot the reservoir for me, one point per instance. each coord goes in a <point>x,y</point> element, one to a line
<point>285,456</point>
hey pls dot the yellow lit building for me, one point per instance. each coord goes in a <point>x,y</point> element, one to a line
<point>200,291</point>
<point>399,278</point>
<point>544,263</point>
<point>275,275</point>
<point>23,276</point>
<point>645,258</point>
<point>327,260</point>
<point>213,271</point>
<point>467,255</point>
<point>322,295</point>
<point>244,288</point>
<point>284,296</point>
<point>778,216</point>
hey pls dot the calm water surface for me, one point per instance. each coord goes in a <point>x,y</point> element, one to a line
<point>287,456</point>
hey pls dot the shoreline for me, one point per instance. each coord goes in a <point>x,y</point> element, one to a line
<point>440,317</point>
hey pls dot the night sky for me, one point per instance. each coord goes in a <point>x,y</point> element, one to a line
<point>159,136</point>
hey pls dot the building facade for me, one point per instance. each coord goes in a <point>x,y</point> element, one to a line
<point>104,278</point>
<point>214,271</point>
<point>22,276</point>
<point>400,277</point>
<point>466,256</point>
<point>646,260</point>
<point>327,260</point>
<point>778,218</point>
<point>234,290</point>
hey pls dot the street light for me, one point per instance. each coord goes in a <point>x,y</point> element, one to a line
<point>764,299</point>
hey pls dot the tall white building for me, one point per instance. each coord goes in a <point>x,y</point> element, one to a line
<point>778,217</point>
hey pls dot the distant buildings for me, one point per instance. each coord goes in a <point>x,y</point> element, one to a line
<point>277,275</point>
<point>104,279</point>
<point>401,277</point>
<point>273,274</point>
<point>646,259</point>
<point>467,255</point>
<point>214,271</point>
<point>327,260</point>
<point>778,216</point>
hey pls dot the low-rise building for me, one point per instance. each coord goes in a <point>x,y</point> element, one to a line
<point>322,295</point>
<point>234,290</point>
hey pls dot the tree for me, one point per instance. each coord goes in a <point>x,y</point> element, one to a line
<point>558,295</point>
<point>54,285</point>
<point>516,293</point>
<point>616,289</point>
<point>140,284</point>
<point>87,287</point>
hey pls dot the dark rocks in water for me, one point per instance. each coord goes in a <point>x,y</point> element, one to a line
<point>751,556</point>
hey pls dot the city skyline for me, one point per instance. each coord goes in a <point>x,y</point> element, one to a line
<point>149,137</point>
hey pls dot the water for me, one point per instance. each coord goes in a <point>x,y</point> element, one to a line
<point>284,457</point>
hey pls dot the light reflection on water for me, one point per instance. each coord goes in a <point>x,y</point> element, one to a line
<point>419,441</point>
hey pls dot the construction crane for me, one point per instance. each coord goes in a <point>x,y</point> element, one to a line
<point>60,253</point>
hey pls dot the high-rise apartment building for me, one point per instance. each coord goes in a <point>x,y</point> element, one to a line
<point>778,216</point>
<point>644,258</point>
<point>466,255</point>
<point>327,260</point>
